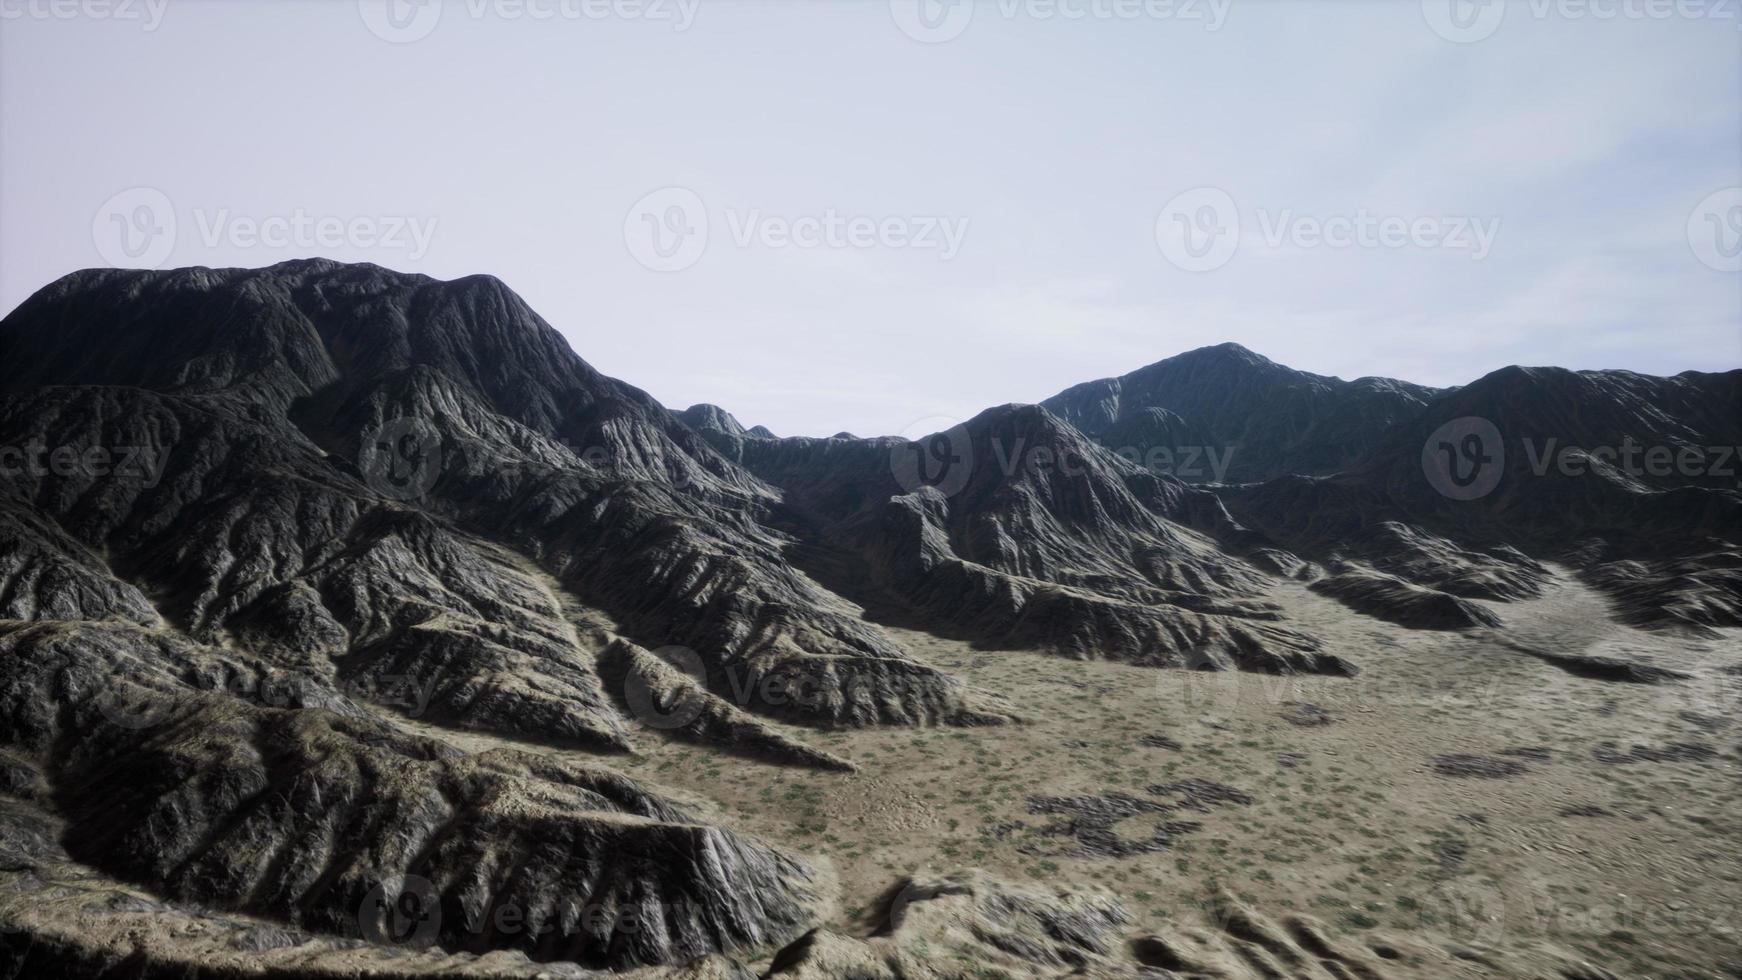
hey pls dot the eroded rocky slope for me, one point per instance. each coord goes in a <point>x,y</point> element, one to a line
<point>275,544</point>
<point>1013,530</point>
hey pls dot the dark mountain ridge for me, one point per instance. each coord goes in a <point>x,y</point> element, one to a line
<point>1265,419</point>
<point>362,494</point>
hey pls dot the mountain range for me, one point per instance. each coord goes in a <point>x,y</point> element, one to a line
<point>256,521</point>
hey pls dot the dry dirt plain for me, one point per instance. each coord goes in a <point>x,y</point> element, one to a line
<point>1458,794</point>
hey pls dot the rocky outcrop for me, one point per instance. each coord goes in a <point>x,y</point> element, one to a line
<point>1015,930</point>
<point>662,695</point>
<point>215,779</point>
<point>1394,600</point>
<point>1698,593</point>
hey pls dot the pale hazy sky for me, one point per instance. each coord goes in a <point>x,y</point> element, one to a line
<point>1535,183</point>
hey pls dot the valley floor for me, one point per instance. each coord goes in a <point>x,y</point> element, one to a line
<point>1457,788</point>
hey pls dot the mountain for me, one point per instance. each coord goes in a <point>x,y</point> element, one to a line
<point>1225,414</point>
<point>337,490</point>
<point>1013,530</point>
<point>1629,479</point>
<point>328,591</point>
<point>340,490</point>
<point>1620,475</point>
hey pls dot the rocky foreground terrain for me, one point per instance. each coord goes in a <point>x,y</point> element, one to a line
<point>352,625</point>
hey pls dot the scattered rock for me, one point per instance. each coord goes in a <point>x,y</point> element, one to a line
<point>1708,723</point>
<point>930,925</point>
<point>1608,753</point>
<point>1460,766</point>
<point>1092,819</point>
<point>1305,714</point>
<point>1450,853</point>
<point>1202,794</point>
<point>1600,668</point>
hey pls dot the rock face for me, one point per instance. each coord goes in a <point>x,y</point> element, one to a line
<point>323,445</point>
<point>212,777</point>
<point>255,507</point>
<point>1013,931</point>
<point>1014,530</point>
<point>1394,600</point>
